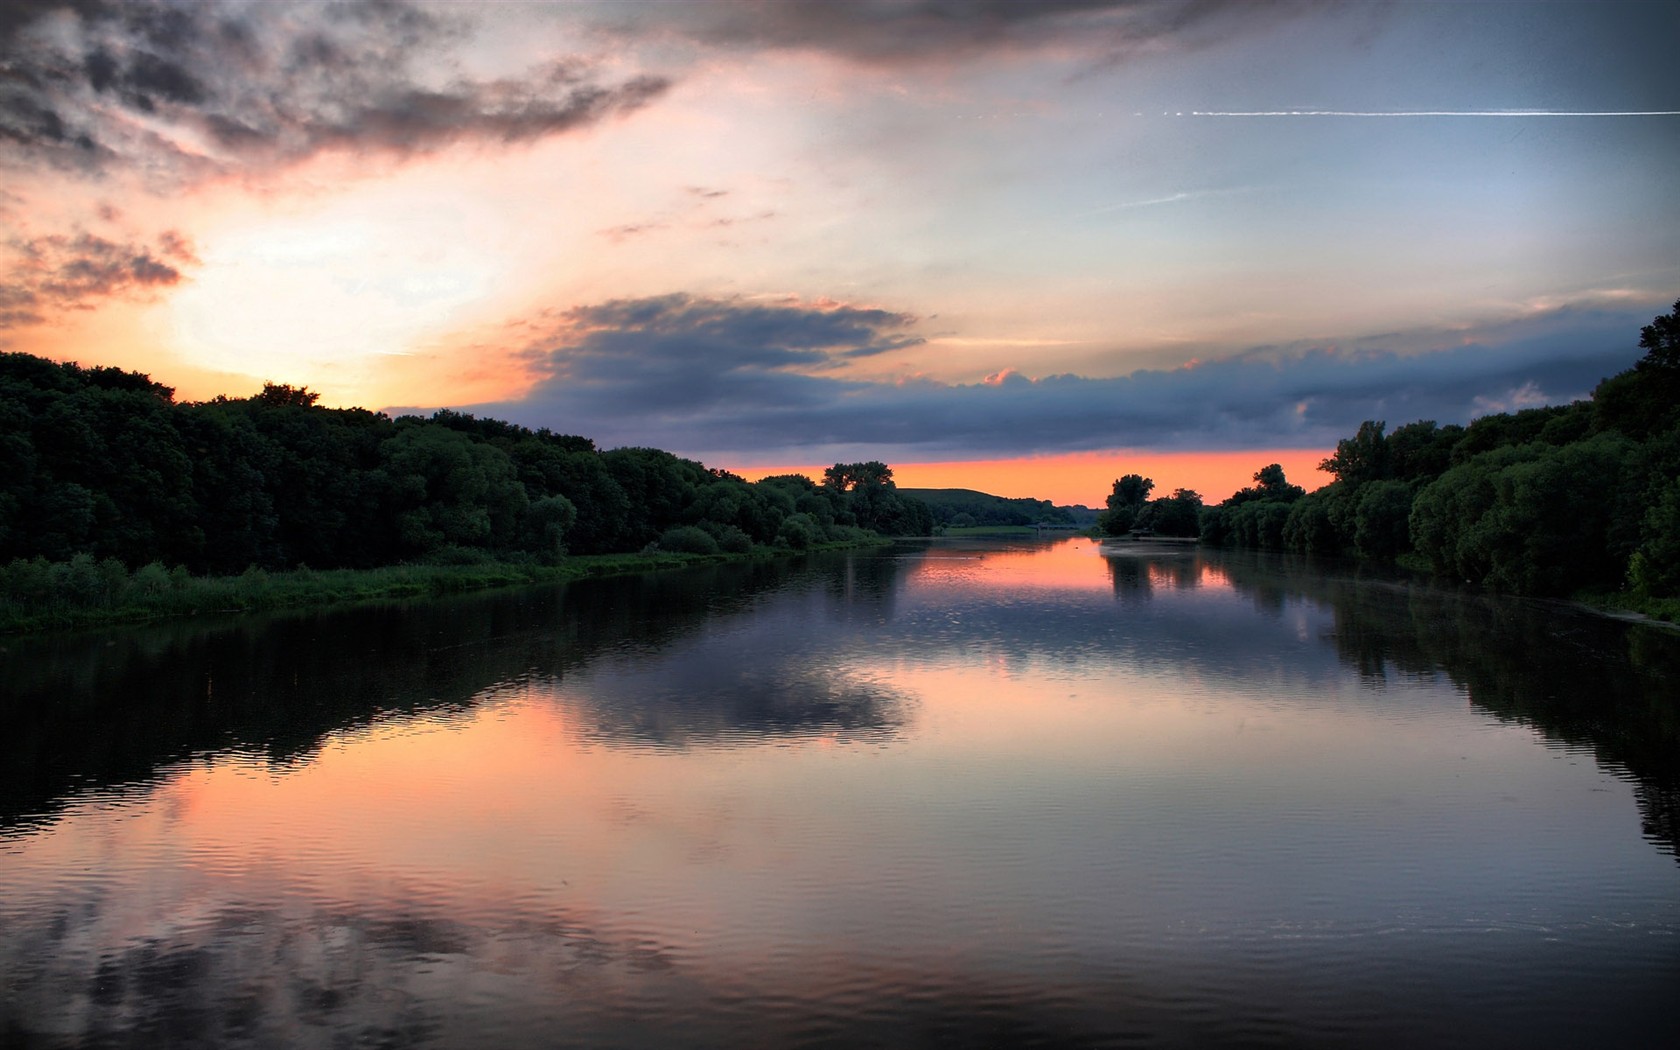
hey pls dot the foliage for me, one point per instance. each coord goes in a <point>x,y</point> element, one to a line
<point>1564,499</point>
<point>1645,401</point>
<point>1361,458</point>
<point>688,539</point>
<point>99,466</point>
<point>1381,520</point>
<point>1175,515</point>
<point>1271,485</point>
<point>1310,527</point>
<point>966,507</point>
<point>873,501</point>
<point>1125,503</point>
<point>1536,519</point>
<point>1256,516</point>
<point>1654,568</point>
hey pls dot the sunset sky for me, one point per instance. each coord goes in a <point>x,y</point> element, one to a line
<point>1018,247</point>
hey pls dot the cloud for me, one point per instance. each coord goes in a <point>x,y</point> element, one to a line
<point>750,380</point>
<point>75,271</point>
<point>893,32</point>
<point>180,90</point>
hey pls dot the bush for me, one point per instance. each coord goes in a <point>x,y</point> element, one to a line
<point>29,582</point>
<point>731,540</point>
<point>454,554</point>
<point>151,579</point>
<point>798,531</point>
<point>78,582</point>
<point>688,539</point>
<point>1654,569</point>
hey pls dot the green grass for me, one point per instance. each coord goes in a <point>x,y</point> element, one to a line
<point>37,595</point>
<point>1666,610</point>
<point>991,530</point>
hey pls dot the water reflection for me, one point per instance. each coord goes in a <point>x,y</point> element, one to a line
<point>954,794</point>
<point>92,710</point>
<point>1138,570</point>
<point>1581,679</point>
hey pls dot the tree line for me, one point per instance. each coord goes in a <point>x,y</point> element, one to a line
<point>104,464</point>
<point>964,508</point>
<point>1565,499</point>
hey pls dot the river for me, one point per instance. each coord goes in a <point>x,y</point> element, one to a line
<point>952,793</point>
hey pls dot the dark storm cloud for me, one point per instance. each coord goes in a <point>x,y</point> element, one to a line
<point>74,272</point>
<point>896,31</point>
<point>750,379</point>
<point>180,89</point>
<point>676,348</point>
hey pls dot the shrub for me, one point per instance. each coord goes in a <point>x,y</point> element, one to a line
<point>151,579</point>
<point>798,531</point>
<point>688,539</point>
<point>731,540</point>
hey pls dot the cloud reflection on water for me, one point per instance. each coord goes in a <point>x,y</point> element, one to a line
<point>931,794</point>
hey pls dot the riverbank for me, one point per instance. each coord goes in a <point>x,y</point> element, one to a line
<point>1659,612</point>
<point>41,596</point>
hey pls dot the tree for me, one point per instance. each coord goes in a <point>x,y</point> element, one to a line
<point>1645,400</point>
<point>1661,342</point>
<point>874,502</point>
<point>1176,515</point>
<point>1125,502</point>
<point>849,477</point>
<point>284,394</point>
<point>1310,527</point>
<point>1381,516</point>
<point>546,522</point>
<point>1422,450</point>
<point>1535,518</point>
<point>1270,485</point>
<point>453,491</point>
<point>1654,569</point>
<point>1361,458</point>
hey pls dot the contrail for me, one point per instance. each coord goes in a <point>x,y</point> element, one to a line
<point>1438,113</point>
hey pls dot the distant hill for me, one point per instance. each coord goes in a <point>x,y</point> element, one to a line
<point>967,507</point>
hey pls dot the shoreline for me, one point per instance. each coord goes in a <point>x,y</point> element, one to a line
<point>256,591</point>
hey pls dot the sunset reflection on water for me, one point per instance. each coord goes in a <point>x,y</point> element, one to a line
<point>1055,791</point>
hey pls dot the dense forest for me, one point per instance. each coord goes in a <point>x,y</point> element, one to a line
<point>104,468</point>
<point>1568,499</point>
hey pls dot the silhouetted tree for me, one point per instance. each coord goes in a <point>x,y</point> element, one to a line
<point>1125,502</point>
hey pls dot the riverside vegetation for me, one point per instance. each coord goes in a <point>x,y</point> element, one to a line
<point>118,502</point>
<point>1579,500</point>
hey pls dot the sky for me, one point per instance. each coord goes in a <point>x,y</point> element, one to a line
<point>1017,247</point>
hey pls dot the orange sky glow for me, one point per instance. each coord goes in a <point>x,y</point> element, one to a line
<point>1085,478</point>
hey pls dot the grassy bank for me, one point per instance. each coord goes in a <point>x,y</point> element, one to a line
<point>989,530</point>
<point>37,595</point>
<point>1629,605</point>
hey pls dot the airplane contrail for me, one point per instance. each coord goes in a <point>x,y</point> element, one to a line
<point>1438,113</point>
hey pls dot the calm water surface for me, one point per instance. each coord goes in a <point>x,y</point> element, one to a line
<point>954,794</point>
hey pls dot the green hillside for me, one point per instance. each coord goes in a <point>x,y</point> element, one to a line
<point>964,507</point>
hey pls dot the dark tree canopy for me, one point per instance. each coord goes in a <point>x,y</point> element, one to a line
<point>1125,503</point>
<point>1550,500</point>
<point>104,463</point>
<point>1361,458</point>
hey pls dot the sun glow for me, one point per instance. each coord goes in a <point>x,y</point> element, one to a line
<point>1076,478</point>
<point>314,297</point>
